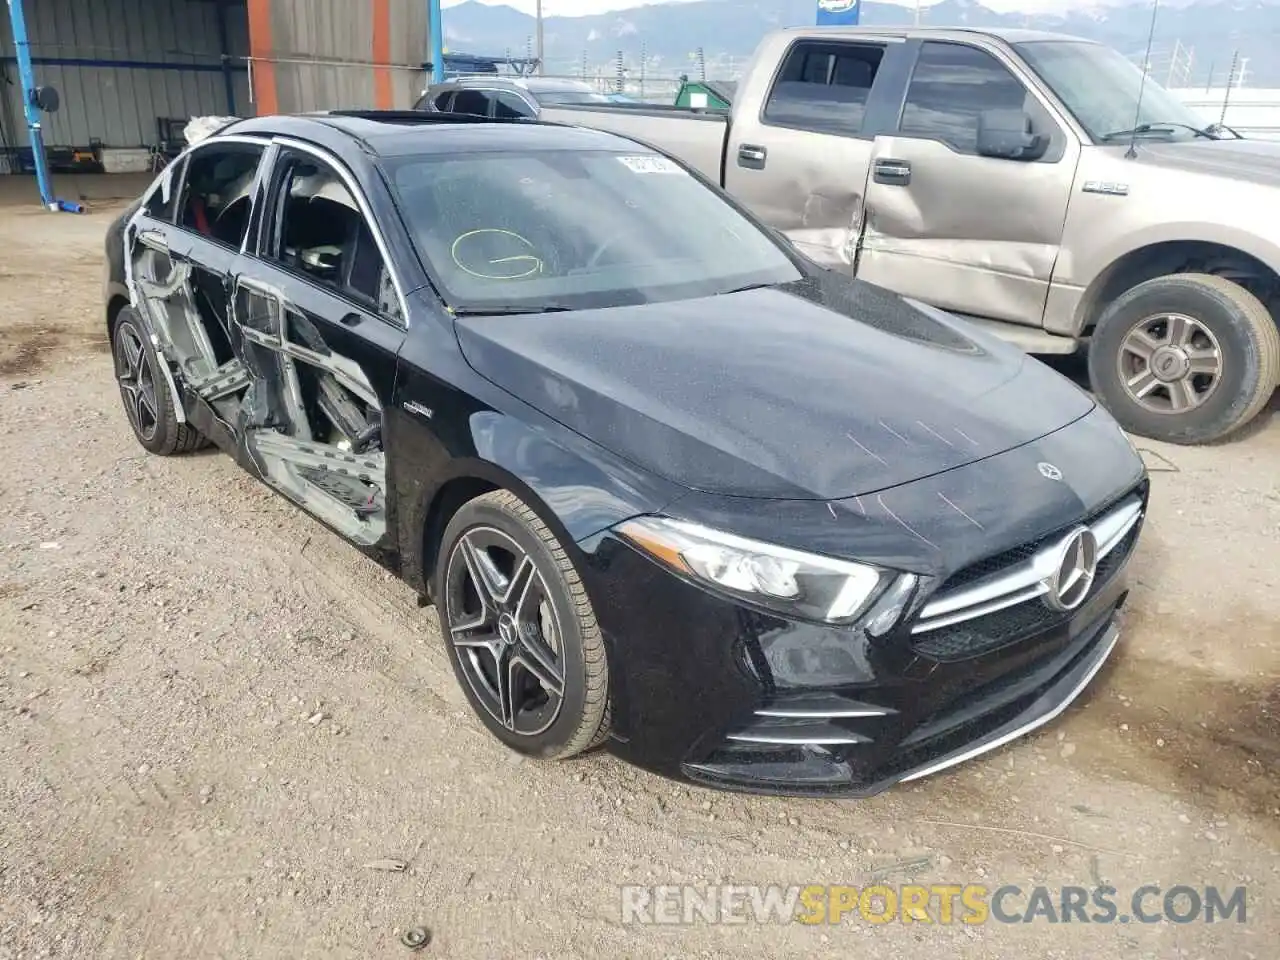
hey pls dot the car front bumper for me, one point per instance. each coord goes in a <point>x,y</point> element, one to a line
<point>710,691</point>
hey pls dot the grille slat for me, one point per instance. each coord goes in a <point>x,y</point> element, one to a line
<point>1014,624</point>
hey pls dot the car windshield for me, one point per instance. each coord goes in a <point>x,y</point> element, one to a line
<point>516,232</point>
<point>553,97</point>
<point>1100,88</point>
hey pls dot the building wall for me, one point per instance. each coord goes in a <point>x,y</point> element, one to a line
<point>334,54</point>
<point>121,64</point>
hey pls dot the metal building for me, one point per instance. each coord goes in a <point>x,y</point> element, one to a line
<point>131,71</point>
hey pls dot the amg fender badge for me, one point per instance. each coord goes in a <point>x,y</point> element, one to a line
<point>414,407</point>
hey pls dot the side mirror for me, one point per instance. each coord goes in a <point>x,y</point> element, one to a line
<point>1007,135</point>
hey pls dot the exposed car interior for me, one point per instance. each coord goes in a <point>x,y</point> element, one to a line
<point>306,414</point>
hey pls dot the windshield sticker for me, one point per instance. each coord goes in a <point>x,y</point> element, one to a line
<point>650,165</point>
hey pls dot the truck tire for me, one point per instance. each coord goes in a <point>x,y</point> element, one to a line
<point>1186,358</point>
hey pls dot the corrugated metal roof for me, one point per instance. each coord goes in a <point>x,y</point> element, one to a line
<point>105,57</point>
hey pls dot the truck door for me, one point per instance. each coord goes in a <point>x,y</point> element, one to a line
<point>974,233</point>
<point>801,162</point>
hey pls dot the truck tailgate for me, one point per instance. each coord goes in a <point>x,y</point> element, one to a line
<point>696,138</point>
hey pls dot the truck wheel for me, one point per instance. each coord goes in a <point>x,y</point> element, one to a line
<point>1186,358</point>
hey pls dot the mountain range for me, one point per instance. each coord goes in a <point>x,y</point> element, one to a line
<point>1194,41</point>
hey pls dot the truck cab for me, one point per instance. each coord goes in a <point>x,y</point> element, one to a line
<point>1034,183</point>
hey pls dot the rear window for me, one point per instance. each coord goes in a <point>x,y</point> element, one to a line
<point>824,87</point>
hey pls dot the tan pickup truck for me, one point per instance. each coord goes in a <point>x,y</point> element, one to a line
<point>1013,177</point>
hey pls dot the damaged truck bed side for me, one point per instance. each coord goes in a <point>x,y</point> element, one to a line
<point>1018,179</point>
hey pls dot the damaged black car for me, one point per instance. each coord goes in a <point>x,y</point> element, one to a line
<point>673,489</point>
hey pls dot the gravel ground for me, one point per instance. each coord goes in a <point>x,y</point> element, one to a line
<point>214,716</point>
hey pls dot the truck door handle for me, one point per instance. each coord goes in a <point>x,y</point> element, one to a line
<point>751,156</point>
<point>893,173</point>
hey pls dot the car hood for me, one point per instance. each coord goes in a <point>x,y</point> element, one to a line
<point>1254,161</point>
<point>822,389</point>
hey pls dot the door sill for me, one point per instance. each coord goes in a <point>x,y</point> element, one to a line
<point>1029,339</point>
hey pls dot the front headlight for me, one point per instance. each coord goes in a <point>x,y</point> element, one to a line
<point>797,584</point>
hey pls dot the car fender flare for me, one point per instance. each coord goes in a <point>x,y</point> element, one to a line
<point>1118,252</point>
<point>577,492</point>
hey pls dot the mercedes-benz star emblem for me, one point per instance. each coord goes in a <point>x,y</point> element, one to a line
<point>1072,577</point>
<point>1049,471</point>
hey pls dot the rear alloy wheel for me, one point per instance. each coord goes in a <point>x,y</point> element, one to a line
<point>147,401</point>
<point>521,635</point>
<point>1186,358</point>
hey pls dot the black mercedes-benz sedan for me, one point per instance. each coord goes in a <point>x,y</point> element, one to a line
<point>671,487</point>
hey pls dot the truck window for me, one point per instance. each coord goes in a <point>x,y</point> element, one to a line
<point>507,106</point>
<point>475,102</point>
<point>442,101</point>
<point>824,87</point>
<point>952,84</point>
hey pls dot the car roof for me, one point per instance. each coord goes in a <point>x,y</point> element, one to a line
<point>410,132</point>
<point>534,85</point>
<point>1007,34</point>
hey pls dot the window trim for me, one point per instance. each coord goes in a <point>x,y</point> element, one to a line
<point>883,43</point>
<point>181,164</point>
<point>534,108</point>
<point>289,143</point>
<point>1015,70</point>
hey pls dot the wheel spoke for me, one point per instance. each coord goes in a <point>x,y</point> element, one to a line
<point>1204,360</point>
<point>1182,395</point>
<point>1142,384</point>
<point>522,586</point>
<point>508,691</point>
<point>1140,343</point>
<point>146,403</point>
<point>133,352</point>
<point>537,659</point>
<point>484,575</point>
<point>476,632</point>
<point>1180,330</point>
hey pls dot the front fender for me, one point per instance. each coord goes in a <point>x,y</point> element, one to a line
<point>577,488</point>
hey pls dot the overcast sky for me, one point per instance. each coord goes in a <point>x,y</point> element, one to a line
<point>578,8</point>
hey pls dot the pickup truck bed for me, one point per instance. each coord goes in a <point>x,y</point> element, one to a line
<point>972,170</point>
<point>696,136</point>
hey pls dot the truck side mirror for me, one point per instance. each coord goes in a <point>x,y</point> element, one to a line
<point>1007,135</point>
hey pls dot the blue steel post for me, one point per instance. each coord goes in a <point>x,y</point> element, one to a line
<point>437,40</point>
<point>28,80</point>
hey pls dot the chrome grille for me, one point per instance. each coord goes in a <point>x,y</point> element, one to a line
<point>1026,577</point>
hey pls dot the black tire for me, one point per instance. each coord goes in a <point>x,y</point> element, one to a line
<point>497,524</point>
<point>144,391</point>
<point>1231,320</point>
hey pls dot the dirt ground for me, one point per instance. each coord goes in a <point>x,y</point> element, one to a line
<point>214,716</point>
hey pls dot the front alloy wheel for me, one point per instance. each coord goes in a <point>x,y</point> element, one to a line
<point>1185,358</point>
<point>504,631</point>
<point>520,631</point>
<point>1170,363</point>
